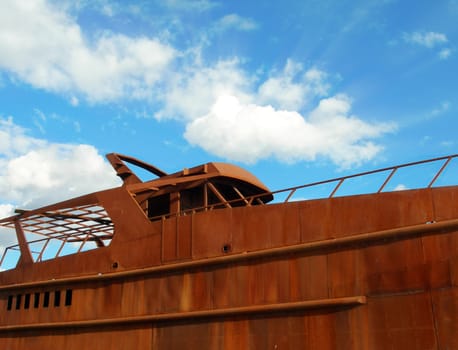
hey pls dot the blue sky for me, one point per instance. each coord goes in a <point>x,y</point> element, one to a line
<point>294,91</point>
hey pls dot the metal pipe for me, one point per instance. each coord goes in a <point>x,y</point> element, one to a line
<point>253,310</point>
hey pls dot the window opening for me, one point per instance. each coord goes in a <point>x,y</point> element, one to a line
<point>36,300</point>
<point>46,300</point>
<point>68,297</point>
<point>57,298</point>
<point>159,205</point>
<point>213,199</point>
<point>231,194</point>
<point>27,301</point>
<point>10,303</point>
<point>18,301</point>
<point>192,198</point>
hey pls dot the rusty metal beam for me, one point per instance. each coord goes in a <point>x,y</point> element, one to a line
<point>26,255</point>
<point>252,310</point>
<point>218,194</point>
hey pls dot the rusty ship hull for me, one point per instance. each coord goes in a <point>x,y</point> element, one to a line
<point>367,271</point>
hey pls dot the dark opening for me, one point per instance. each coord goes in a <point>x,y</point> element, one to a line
<point>27,301</point>
<point>46,299</point>
<point>213,199</point>
<point>36,300</point>
<point>192,198</point>
<point>68,297</point>
<point>57,298</point>
<point>159,205</point>
<point>228,192</point>
<point>9,306</point>
<point>18,301</point>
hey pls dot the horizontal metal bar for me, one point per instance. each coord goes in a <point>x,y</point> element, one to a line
<point>252,310</point>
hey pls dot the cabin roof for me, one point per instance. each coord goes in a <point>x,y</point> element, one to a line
<point>205,171</point>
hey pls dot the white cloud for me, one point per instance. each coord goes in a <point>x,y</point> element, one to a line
<point>45,47</point>
<point>445,53</point>
<point>426,39</point>
<point>13,140</point>
<point>190,93</point>
<point>400,187</point>
<point>35,172</point>
<point>237,22</point>
<point>6,210</point>
<point>49,51</point>
<point>292,88</point>
<point>248,123</point>
<point>7,235</point>
<point>195,5</point>
<point>448,143</point>
<point>247,132</point>
<point>430,40</point>
<point>108,10</point>
<point>74,101</point>
<point>443,108</point>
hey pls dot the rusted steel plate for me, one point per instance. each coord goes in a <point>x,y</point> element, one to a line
<point>445,306</point>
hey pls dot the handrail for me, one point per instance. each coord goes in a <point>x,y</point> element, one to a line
<point>339,180</point>
<point>393,169</point>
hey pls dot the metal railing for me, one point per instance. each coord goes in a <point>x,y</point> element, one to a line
<point>336,183</point>
<point>444,162</point>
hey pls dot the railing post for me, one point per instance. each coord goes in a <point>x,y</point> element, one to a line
<point>26,255</point>
<point>337,187</point>
<point>387,180</point>
<point>440,172</point>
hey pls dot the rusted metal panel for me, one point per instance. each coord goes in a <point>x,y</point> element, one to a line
<point>171,297</point>
<point>250,229</point>
<point>395,321</point>
<point>146,251</point>
<point>276,281</point>
<point>445,201</point>
<point>313,217</point>
<point>344,273</point>
<point>195,291</point>
<point>103,339</point>
<point>281,224</point>
<point>309,277</point>
<point>169,239</point>
<point>393,267</point>
<point>184,237</point>
<point>133,299</point>
<point>177,238</point>
<point>224,282</point>
<point>211,231</point>
<point>235,334</point>
<point>445,308</point>
<point>454,270</point>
